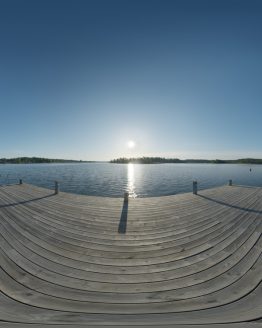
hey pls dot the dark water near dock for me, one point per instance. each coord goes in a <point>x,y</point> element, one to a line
<point>141,180</point>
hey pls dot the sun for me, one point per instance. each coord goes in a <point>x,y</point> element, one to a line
<point>131,144</point>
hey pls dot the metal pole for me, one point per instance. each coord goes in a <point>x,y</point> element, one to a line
<point>195,187</point>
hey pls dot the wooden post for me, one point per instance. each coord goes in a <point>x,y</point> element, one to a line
<point>230,182</point>
<point>126,194</point>
<point>20,181</point>
<point>195,187</point>
<point>56,187</point>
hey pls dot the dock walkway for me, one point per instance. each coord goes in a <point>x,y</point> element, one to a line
<point>81,261</point>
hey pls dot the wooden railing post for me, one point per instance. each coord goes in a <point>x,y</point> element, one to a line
<point>230,182</point>
<point>126,194</point>
<point>56,187</point>
<point>195,187</point>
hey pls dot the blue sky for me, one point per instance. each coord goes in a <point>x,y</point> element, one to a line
<point>79,79</point>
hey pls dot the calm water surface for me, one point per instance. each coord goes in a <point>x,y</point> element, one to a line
<point>105,179</point>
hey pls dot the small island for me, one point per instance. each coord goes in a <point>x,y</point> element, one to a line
<point>162,160</point>
<point>36,160</point>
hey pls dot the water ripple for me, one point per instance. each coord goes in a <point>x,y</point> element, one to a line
<point>105,179</point>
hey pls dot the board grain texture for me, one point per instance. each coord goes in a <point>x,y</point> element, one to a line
<point>185,260</point>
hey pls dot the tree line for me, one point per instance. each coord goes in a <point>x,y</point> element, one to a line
<point>159,160</point>
<point>33,160</point>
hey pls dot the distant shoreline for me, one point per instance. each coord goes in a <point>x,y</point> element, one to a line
<point>161,160</point>
<point>38,160</point>
<point>123,160</point>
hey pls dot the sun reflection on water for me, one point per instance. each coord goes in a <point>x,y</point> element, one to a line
<point>131,180</point>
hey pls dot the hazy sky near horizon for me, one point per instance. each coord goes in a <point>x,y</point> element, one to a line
<point>79,79</point>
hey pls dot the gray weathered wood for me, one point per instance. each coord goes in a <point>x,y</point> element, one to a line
<point>56,187</point>
<point>182,259</point>
<point>195,187</point>
<point>126,195</point>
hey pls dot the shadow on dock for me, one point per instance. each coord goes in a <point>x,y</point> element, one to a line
<point>25,201</point>
<point>123,218</point>
<point>232,206</point>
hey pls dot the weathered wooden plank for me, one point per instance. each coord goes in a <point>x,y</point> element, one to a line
<point>184,259</point>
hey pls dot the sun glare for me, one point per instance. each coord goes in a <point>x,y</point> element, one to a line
<point>131,180</point>
<point>131,144</point>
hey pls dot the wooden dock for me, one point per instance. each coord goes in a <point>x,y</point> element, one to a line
<point>83,261</point>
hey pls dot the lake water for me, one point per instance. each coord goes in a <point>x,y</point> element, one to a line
<point>105,179</point>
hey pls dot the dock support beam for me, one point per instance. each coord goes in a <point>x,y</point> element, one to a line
<point>56,187</point>
<point>230,182</point>
<point>126,194</point>
<point>20,181</point>
<point>195,187</point>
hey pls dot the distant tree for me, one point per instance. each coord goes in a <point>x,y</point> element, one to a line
<point>159,160</point>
